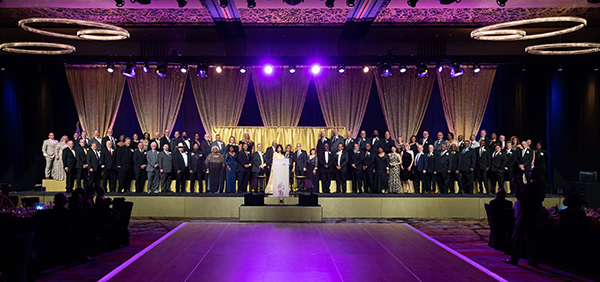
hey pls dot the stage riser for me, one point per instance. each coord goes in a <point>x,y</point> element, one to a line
<point>280,214</point>
<point>333,207</point>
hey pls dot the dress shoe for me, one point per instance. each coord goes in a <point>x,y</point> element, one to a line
<point>510,261</point>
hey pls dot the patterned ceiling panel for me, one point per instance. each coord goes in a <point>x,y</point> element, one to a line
<point>478,16</point>
<point>294,17</point>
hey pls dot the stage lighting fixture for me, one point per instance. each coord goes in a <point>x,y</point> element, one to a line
<point>403,68</point>
<point>161,70</point>
<point>223,3</point>
<point>292,69</point>
<point>476,68</point>
<point>242,69</point>
<point>456,70</point>
<point>329,3</point>
<point>560,68</point>
<point>366,69</point>
<point>251,3</point>
<point>120,3</point>
<point>2,68</point>
<point>412,3</point>
<point>523,68</point>
<point>268,69</point>
<point>146,67</point>
<point>219,69</point>
<point>341,69</point>
<point>422,70</point>
<point>110,68</point>
<point>129,70</point>
<point>501,3</point>
<point>315,69</point>
<point>143,2</point>
<point>184,68</point>
<point>385,69</point>
<point>350,3</point>
<point>596,68</point>
<point>181,3</point>
<point>293,2</point>
<point>448,2</point>
<point>202,71</point>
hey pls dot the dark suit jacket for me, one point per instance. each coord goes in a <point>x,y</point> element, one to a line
<point>81,157</point>
<point>223,146</point>
<point>68,159</point>
<point>375,143</point>
<point>124,157</point>
<point>108,161</point>
<point>300,161</point>
<point>525,159</point>
<point>350,147</point>
<point>511,158</point>
<point>174,143</point>
<point>444,162</point>
<point>205,148</point>
<point>269,156</point>
<point>178,163</point>
<point>105,138</point>
<point>321,145</point>
<point>467,160</point>
<point>541,159</point>
<point>139,159</point>
<point>454,160</point>
<point>361,142</point>
<point>431,162</point>
<point>368,161</point>
<point>158,144</point>
<point>483,158</point>
<point>87,142</point>
<point>98,143</point>
<point>196,162</point>
<point>387,145</point>
<point>334,144</point>
<point>242,160</point>
<point>165,162</point>
<point>426,144</point>
<point>256,162</point>
<point>164,140</point>
<point>421,164</point>
<point>343,161</point>
<point>322,162</point>
<point>93,161</point>
<point>357,159</point>
<point>498,163</point>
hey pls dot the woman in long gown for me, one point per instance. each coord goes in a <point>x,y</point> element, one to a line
<point>215,163</point>
<point>58,169</point>
<point>230,174</point>
<point>394,177</point>
<point>406,164</point>
<point>247,140</point>
<point>278,154</point>
<point>412,144</point>
<point>312,164</point>
<point>380,182</point>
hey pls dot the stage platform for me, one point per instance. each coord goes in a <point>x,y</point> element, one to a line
<point>281,213</point>
<point>298,252</point>
<point>202,205</point>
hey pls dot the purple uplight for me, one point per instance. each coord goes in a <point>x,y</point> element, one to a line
<point>268,69</point>
<point>440,68</point>
<point>315,69</point>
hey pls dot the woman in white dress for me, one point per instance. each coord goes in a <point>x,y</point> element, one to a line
<point>278,154</point>
<point>58,170</point>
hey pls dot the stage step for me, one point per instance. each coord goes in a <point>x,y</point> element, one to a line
<point>281,213</point>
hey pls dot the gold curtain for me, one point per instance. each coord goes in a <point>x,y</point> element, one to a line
<point>220,97</point>
<point>281,95</point>
<point>157,100</point>
<point>97,95</point>
<point>465,98</point>
<point>307,136</point>
<point>344,96</point>
<point>404,98</point>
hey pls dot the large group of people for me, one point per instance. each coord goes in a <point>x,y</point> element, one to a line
<point>375,164</point>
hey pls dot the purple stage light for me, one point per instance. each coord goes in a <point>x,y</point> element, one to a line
<point>268,69</point>
<point>129,71</point>
<point>292,69</point>
<point>456,70</point>
<point>440,68</point>
<point>146,67</point>
<point>402,69</point>
<point>315,69</point>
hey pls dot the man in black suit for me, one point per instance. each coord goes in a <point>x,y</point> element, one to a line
<point>187,142</point>
<point>368,168</point>
<point>139,167</point>
<point>109,137</point>
<point>349,148</point>
<point>322,141</point>
<point>181,166</point>
<point>509,166</point>
<point>467,160</point>
<point>431,173</point>
<point>244,168</point>
<point>197,171</point>
<point>108,159</point>
<point>525,160</point>
<point>85,138</point>
<point>156,140</point>
<point>166,139</point>
<point>326,161</point>
<point>443,168</point>
<point>483,137</point>
<point>455,174</point>
<point>205,146</point>
<point>356,165</point>
<point>425,142</point>
<point>301,159</point>
<point>258,167</point>
<point>96,139</point>
<point>483,166</point>
<point>375,142</point>
<point>69,157</point>
<point>93,162</point>
<point>341,166</point>
<point>269,158</point>
<point>335,140</point>
<point>81,151</point>
<point>420,167</point>
<point>124,163</point>
<point>362,140</point>
<point>175,140</point>
<point>541,160</point>
<point>497,165</point>
<point>388,142</point>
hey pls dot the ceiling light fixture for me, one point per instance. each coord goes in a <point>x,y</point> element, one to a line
<point>329,3</point>
<point>422,70</point>
<point>315,69</point>
<point>219,69</point>
<point>110,68</point>
<point>412,3</point>
<point>223,3</point>
<point>366,69</point>
<point>448,2</point>
<point>440,68</point>
<point>202,71</point>
<point>456,70</point>
<point>483,33</point>
<point>476,68</point>
<point>161,70</point>
<point>242,69</point>
<point>120,3</point>
<point>581,48</point>
<point>386,70</point>
<point>183,68</point>
<point>268,69</point>
<point>560,68</point>
<point>25,48</point>
<point>129,70</point>
<point>341,69</point>
<point>402,68</point>
<point>292,69</point>
<point>501,3</point>
<point>115,33</point>
<point>146,67</point>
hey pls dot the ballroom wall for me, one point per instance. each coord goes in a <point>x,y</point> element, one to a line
<point>560,109</point>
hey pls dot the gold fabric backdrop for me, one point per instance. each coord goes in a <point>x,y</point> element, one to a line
<point>307,136</point>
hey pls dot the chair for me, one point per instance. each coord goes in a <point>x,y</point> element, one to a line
<point>493,234</point>
<point>303,185</point>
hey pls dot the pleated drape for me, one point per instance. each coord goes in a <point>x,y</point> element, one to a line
<point>344,96</point>
<point>157,100</point>
<point>465,98</point>
<point>97,95</point>
<point>404,98</point>
<point>281,95</point>
<point>220,97</point>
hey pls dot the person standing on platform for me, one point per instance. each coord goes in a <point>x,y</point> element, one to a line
<point>124,166</point>
<point>497,165</point>
<point>349,142</point>
<point>205,146</point>
<point>139,167</point>
<point>388,143</point>
<point>97,140</point>
<point>152,168</point>
<point>109,137</point>
<point>541,160</point>
<point>413,145</point>
<point>93,162</point>
<point>368,168</point>
<point>197,171</point>
<point>301,159</point>
<point>420,170</point>
<point>443,167</point>
<point>341,165</point>
<point>431,173</point>
<point>483,137</point>
<point>82,170</point>
<point>166,139</point>
<point>135,139</point>
<point>269,159</point>
<point>49,151</point>
<point>473,141</point>
<point>356,165</point>
<point>108,160</point>
<point>312,169</point>
<point>258,167</point>
<point>244,168</point>
<point>381,171</point>
<point>407,164</point>
<point>395,161</point>
<point>526,161</point>
<point>450,140</point>
<point>187,142</point>
<point>321,143</point>
<point>247,140</point>
<point>326,161</point>
<point>175,141</point>
<point>437,145</point>
<point>492,143</point>
<point>69,158</point>
<point>455,174</point>
<point>232,143</point>
<point>197,140</point>
<point>85,138</point>
<point>157,141</point>
<point>181,166</point>
<point>221,146</point>
<point>509,166</point>
<point>292,167</point>
<point>231,168</point>
<point>165,164</point>
<point>467,161</point>
<point>335,140</point>
<point>362,140</point>
<point>215,163</point>
<point>375,141</point>
<point>425,141</point>
<point>146,141</point>
<point>483,166</point>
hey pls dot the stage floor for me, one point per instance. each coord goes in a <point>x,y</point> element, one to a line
<point>298,252</point>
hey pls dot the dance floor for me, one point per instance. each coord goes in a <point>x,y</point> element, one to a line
<point>298,252</point>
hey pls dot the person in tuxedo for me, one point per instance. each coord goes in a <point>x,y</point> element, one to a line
<point>152,169</point>
<point>491,146</point>
<point>356,166</point>
<point>69,157</point>
<point>437,145</point>
<point>139,167</point>
<point>197,171</point>
<point>461,143</point>
<point>497,165</point>
<point>244,168</point>
<point>430,172</point>
<point>181,167</point>
<point>93,162</point>
<point>76,139</point>
<point>269,159</point>
<point>335,140</point>
<point>455,174</point>
<point>541,160</point>
<point>109,137</point>
<point>425,141</point>
<point>362,140</point>
<point>124,166</point>
<point>322,141</point>
<point>205,145</point>
<point>165,165</point>
<point>510,165</point>
<point>82,165</point>
<point>187,142</point>
<point>420,170</point>
<point>341,166</point>
<point>326,162</point>
<point>502,142</point>
<point>156,140</point>
<point>301,160</point>
<point>443,166</point>
<point>483,137</point>
<point>108,161</point>
<point>175,141</point>
<point>259,167</point>
<point>166,139</point>
<point>483,166</point>
<point>375,141</point>
<point>467,161</point>
<point>526,160</point>
<point>49,151</point>
<point>85,138</point>
<point>349,142</point>
<point>96,139</point>
<point>388,142</point>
